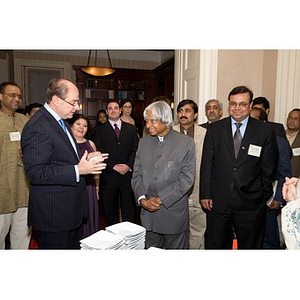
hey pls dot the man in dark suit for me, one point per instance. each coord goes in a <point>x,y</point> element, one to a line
<point>120,140</point>
<point>272,231</point>
<point>57,199</point>
<point>263,103</point>
<point>236,177</point>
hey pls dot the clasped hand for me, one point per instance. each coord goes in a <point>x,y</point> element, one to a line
<point>151,204</point>
<point>121,168</point>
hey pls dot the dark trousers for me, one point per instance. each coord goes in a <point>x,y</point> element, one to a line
<point>247,224</point>
<point>272,239</point>
<point>68,239</point>
<point>167,241</point>
<point>115,198</point>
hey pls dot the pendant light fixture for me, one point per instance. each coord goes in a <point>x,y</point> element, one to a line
<point>95,70</point>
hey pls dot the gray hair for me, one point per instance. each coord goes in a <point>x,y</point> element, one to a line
<point>211,100</point>
<point>161,111</point>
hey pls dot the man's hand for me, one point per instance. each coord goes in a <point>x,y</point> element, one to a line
<point>102,156</point>
<point>274,204</point>
<point>151,204</point>
<point>121,168</point>
<point>206,203</point>
<point>94,166</point>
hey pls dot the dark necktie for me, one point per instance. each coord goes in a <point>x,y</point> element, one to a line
<point>237,139</point>
<point>63,125</point>
<point>117,130</point>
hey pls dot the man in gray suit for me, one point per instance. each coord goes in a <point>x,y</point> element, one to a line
<point>163,175</point>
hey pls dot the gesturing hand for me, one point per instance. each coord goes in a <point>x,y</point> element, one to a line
<point>93,166</point>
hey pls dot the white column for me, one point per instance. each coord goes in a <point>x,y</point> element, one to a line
<point>287,84</point>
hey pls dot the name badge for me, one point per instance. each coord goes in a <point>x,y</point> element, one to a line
<point>15,136</point>
<point>296,151</point>
<point>254,150</point>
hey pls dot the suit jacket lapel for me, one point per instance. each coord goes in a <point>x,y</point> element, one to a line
<point>123,130</point>
<point>110,129</point>
<point>56,126</point>
<point>227,133</point>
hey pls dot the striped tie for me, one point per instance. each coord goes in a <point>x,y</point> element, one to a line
<point>237,139</point>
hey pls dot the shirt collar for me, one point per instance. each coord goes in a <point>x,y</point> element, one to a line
<point>52,112</point>
<point>244,122</point>
<point>119,123</point>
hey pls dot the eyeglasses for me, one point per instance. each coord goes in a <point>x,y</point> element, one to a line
<point>241,104</point>
<point>72,104</point>
<point>125,106</point>
<point>13,95</point>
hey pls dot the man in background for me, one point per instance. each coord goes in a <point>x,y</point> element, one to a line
<point>276,202</point>
<point>120,140</point>
<point>293,136</point>
<point>263,103</point>
<point>14,184</point>
<point>213,111</point>
<point>32,108</point>
<point>187,112</point>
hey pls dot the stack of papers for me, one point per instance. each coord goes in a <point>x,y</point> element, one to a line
<point>133,234</point>
<point>103,240</point>
<point>121,236</point>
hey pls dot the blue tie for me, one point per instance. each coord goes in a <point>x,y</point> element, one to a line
<point>63,125</point>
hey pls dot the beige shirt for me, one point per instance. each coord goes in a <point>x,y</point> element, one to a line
<point>291,137</point>
<point>14,184</point>
<point>199,134</point>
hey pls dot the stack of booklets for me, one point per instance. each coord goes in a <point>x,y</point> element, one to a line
<point>121,236</point>
<point>134,234</point>
<point>102,240</point>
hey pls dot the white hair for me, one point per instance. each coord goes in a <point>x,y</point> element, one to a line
<point>161,112</point>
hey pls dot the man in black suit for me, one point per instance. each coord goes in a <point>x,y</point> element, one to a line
<point>236,180</point>
<point>263,103</point>
<point>120,140</point>
<point>57,199</point>
<point>274,205</point>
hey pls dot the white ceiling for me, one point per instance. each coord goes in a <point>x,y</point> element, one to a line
<point>159,56</point>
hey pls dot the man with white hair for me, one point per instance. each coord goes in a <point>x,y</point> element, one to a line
<point>213,112</point>
<point>163,175</point>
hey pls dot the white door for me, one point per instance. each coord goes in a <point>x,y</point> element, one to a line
<point>195,77</point>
